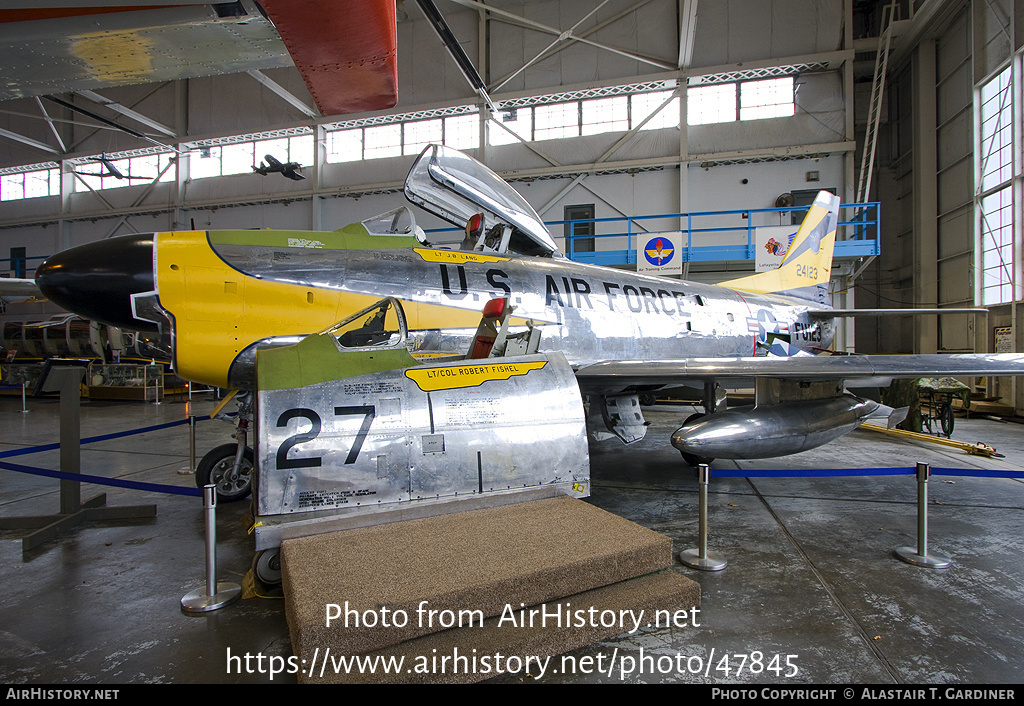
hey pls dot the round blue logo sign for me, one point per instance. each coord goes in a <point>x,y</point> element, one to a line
<point>659,251</point>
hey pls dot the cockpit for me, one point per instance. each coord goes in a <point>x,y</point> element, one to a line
<point>398,221</point>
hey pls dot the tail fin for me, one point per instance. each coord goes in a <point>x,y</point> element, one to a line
<point>807,265</point>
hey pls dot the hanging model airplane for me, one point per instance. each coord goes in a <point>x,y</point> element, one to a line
<point>107,169</point>
<point>287,169</point>
<point>226,295</point>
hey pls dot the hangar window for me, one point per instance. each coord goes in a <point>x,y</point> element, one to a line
<point>296,148</point>
<point>997,177</point>
<point>768,98</point>
<point>462,131</point>
<point>239,154</point>
<point>150,165</point>
<point>420,133</point>
<point>345,145</point>
<point>605,115</point>
<point>556,121</point>
<point>204,163</point>
<point>711,104</point>
<point>382,141</point>
<point>743,100</point>
<point>239,159</point>
<point>27,184</point>
<point>139,169</point>
<point>643,104</point>
<point>518,120</point>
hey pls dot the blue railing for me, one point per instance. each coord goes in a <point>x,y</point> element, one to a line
<point>857,236</point>
<point>19,266</point>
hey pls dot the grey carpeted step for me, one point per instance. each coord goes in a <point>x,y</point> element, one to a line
<point>471,654</point>
<point>481,560</point>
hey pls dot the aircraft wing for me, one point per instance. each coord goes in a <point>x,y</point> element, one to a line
<point>787,424</point>
<point>346,52</point>
<point>862,370</point>
<point>14,289</point>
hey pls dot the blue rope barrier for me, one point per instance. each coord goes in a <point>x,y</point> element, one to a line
<point>101,480</point>
<point>92,439</point>
<point>743,473</point>
<point>837,472</point>
<point>976,473</point>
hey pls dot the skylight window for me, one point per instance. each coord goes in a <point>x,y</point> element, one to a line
<point>29,184</point>
<point>643,104</point>
<point>605,115</point>
<point>382,141</point>
<point>711,104</point>
<point>518,120</point>
<point>769,98</point>
<point>463,131</point>
<point>345,145</point>
<point>420,133</point>
<point>556,121</point>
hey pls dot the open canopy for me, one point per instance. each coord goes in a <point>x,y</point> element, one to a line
<point>456,187</point>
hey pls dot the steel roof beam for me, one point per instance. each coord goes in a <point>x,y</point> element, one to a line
<point>28,141</point>
<point>127,112</point>
<point>687,30</point>
<point>49,121</point>
<point>283,93</point>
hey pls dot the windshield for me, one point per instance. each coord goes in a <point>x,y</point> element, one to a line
<point>398,221</point>
<point>455,187</point>
<point>378,326</point>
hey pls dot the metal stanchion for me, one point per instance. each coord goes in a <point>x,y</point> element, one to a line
<point>216,595</point>
<point>700,558</point>
<point>191,444</point>
<point>156,386</point>
<point>24,409</point>
<point>919,556</point>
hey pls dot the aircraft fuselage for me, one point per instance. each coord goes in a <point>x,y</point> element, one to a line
<point>225,293</point>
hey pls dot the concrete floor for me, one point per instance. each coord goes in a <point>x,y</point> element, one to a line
<point>810,573</point>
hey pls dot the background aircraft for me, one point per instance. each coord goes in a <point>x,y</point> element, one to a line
<point>107,168</point>
<point>226,294</point>
<point>288,169</point>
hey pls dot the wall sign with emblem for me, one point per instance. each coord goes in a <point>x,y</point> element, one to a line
<point>660,253</point>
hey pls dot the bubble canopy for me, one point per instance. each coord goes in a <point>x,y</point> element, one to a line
<point>454,186</point>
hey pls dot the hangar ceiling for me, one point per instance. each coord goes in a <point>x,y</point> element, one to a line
<point>519,48</point>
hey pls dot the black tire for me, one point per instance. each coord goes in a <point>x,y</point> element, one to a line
<point>266,566</point>
<point>692,459</point>
<point>216,467</point>
<point>946,419</point>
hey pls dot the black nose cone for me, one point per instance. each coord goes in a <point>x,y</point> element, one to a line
<point>97,280</point>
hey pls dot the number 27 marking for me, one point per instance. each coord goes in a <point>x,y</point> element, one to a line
<point>283,462</point>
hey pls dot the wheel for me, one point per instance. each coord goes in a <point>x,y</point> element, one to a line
<point>692,459</point>
<point>216,467</point>
<point>946,419</point>
<point>648,399</point>
<point>266,565</point>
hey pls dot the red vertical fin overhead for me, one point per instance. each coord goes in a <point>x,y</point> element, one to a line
<point>347,52</point>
